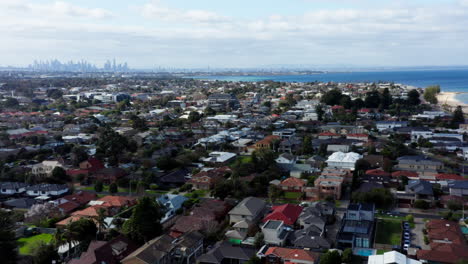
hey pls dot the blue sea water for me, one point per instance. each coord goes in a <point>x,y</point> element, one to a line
<point>449,80</point>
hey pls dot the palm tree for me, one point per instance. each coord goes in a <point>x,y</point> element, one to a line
<point>100,220</point>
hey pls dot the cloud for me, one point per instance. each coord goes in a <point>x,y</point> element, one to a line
<point>157,10</point>
<point>56,9</point>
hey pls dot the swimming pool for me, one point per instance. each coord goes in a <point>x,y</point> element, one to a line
<point>464,229</point>
<point>364,252</point>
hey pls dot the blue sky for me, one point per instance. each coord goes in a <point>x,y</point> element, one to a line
<point>241,33</point>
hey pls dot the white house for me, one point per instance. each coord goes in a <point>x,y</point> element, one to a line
<point>384,125</point>
<point>11,188</point>
<point>46,189</point>
<point>171,203</point>
<point>392,257</point>
<point>274,232</point>
<point>343,160</point>
<point>286,158</point>
<point>220,157</point>
<point>45,168</point>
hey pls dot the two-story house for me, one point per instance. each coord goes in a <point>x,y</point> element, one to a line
<point>251,209</point>
<point>357,227</point>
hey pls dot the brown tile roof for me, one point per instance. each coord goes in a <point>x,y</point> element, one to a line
<point>293,182</point>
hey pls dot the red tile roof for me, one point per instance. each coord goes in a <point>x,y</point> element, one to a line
<point>288,213</point>
<point>293,182</point>
<point>377,172</point>
<point>447,176</point>
<point>117,201</point>
<point>328,133</point>
<point>444,253</point>
<point>411,174</point>
<point>292,254</point>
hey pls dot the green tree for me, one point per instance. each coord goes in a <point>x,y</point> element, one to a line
<point>274,193</point>
<point>413,97</point>
<point>44,253</point>
<point>144,224</point>
<point>8,242</point>
<point>372,99</point>
<point>347,256</point>
<point>386,99</point>
<point>332,97</point>
<point>307,148</point>
<point>138,123</point>
<point>113,188</point>
<point>409,218</point>
<point>430,93</point>
<point>458,116</point>
<point>320,112</point>
<point>454,205</point>
<point>194,116</point>
<point>99,186</point>
<point>59,175</point>
<point>11,103</point>
<point>421,204</point>
<point>346,102</point>
<point>382,198</point>
<point>330,257</point>
<point>259,240</point>
<point>100,220</point>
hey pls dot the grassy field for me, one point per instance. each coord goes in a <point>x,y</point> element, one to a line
<point>381,251</point>
<point>26,244</point>
<point>196,194</point>
<point>292,195</point>
<point>388,232</point>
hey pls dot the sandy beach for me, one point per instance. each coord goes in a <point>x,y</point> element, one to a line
<point>448,99</point>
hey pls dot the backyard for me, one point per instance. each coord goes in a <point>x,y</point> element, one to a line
<point>388,232</point>
<point>26,244</point>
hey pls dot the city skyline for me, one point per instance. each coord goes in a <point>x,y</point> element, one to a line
<point>150,34</point>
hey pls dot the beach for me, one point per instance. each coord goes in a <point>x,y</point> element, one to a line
<point>449,99</point>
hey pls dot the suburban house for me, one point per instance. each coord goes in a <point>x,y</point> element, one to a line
<point>207,178</point>
<point>286,158</point>
<point>251,209</point>
<point>390,125</point>
<point>357,227</point>
<point>45,168</point>
<point>390,258</point>
<point>267,143</point>
<point>293,184</point>
<point>288,213</point>
<point>458,188</point>
<point>109,252</point>
<point>171,203</point>
<point>420,190</point>
<point>107,175</point>
<point>274,232</point>
<point>328,186</point>
<point>217,157</point>
<point>311,238</point>
<point>343,160</point>
<point>224,252</point>
<point>447,242</point>
<point>274,255</point>
<point>12,188</point>
<point>168,250</point>
<point>46,189</point>
<point>420,164</point>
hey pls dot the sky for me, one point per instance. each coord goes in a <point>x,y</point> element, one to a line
<point>236,33</point>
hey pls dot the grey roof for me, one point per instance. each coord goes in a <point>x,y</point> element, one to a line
<point>47,187</point>
<point>458,184</point>
<point>12,185</point>
<point>420,187</point>
<point>249,206</point>
<point>272,224</point>
<point>418,159</point>
<point>309,238</point>
<point>23,203</point>
<point>224,250</point>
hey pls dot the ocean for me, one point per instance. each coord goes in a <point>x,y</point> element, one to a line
<point>449,80</point>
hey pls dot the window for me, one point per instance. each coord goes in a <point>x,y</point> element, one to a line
<point>365,242</point>
<point>358,242</point>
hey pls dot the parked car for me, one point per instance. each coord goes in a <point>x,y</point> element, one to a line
<point>406,225</point>
<point>406,247</point>
<point>406,236</point>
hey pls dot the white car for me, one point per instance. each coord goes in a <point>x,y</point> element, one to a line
<point>406,247</point>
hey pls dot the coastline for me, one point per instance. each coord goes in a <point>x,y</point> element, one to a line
<point>449,99</point>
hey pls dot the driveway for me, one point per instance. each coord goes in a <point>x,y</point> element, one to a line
<point>417,233</point>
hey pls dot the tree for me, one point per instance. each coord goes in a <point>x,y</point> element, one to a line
<point>8,242</point>
<point>307,148</point>
<point>144,224</point>
<point>347,256</point>
<point>382,198</point>
<point>372,99</point>
<point>413,97</point>
<point>11,102</point>
<point>113,188</point>
<point>386,99</point>
<point>111,143</point>
<point>44,253</point>
<point>430,93</point>
<point>362,165</point>
<point>274,192</point>
<point>138,123</point>
<point>330,257</point>
<point>83,230</point>
<point>78,154</point>
<point>194,116</point>
<point>40,212</point>
<point>59,175</point>
<point>332,97</point>
<point>100,220</point>
<point>259,240</point>
<point>320,112</point>
<point>421,204</point>
<point>99,186</point>
<point>346,102</point>
<point>458,116</point>
<point>454,205</point>
<point>409,218</point>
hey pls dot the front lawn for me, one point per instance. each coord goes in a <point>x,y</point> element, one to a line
<point>292,195</point>
<point>196,194</point>
<point>26,244</point>
<point>388,232</point>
